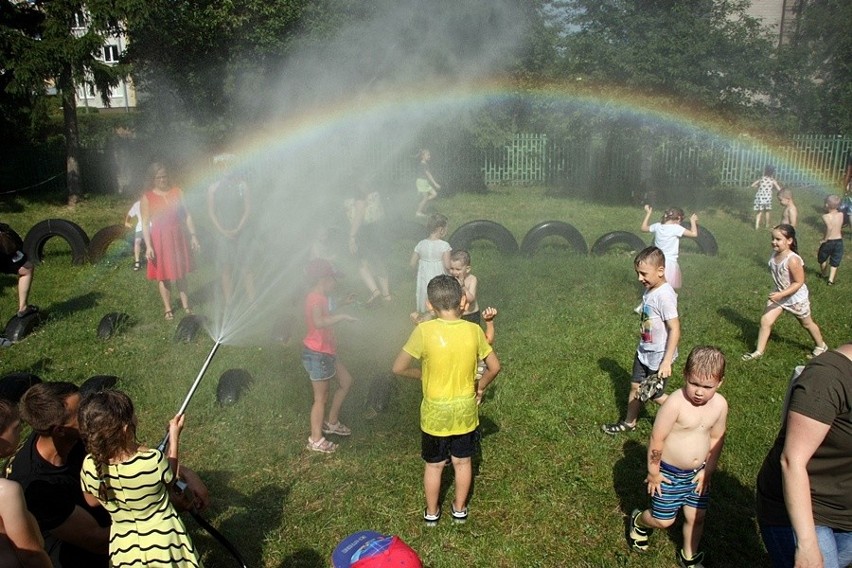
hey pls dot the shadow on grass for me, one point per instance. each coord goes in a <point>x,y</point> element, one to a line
<point>620,379</point>
<point>256,514</point>
<point>486,428</point>
<point>76,304</point>
<point>749,329</point>
<point>730,530</point>
<point>304,558</point>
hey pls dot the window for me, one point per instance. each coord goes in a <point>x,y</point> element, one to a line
<point>79,20</point>
<point>111,53</point>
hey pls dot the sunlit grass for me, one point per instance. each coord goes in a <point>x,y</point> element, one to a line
<point>550,488</point>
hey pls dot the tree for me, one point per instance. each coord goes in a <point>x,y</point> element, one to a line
<point>43,43</point>
<point>709,52</point>
<point>814,73</point>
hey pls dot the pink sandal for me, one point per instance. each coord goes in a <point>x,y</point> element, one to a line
<point>322,445</point>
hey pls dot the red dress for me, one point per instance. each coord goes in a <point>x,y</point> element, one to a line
<point>172,259</point>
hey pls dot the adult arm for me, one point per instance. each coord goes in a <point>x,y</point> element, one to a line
<point>645,226</point>
<point>693,227</point>
<point>804,436</point>
<point>190,224</point>
<point>21,528</point>
<point>797,278</point>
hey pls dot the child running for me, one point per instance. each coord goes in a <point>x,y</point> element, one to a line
<point>431,256</point>
<point>790,294</point>
<point>132,483</point>
<point>448,348</point>
<point>831,246</point>
<point>427,187</point>
<point>686,442</point>
<point>763,197</point>
<point>667,234</point>
<point>659,335</point>
<point>319,356</point>
<point>790,215</point>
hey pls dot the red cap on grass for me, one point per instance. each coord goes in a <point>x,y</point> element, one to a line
<point>369,549</point>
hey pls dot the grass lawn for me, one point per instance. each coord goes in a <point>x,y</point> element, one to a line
<point>550,489</point>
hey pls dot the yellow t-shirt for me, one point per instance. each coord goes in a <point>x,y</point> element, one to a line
<point>448,351</point>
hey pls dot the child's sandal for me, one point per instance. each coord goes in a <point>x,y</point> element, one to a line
<point>753,356</point>
<point>170,315</point>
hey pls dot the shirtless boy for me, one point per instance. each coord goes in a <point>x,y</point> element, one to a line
<point>831,246</point>
<point>686,442</point>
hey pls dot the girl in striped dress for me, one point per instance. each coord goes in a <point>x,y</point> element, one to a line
<point>132,483</point>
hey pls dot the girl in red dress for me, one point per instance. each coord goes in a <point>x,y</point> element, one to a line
<point>164,216</point>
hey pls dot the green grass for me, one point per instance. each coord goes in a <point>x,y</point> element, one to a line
<point>550,488</point>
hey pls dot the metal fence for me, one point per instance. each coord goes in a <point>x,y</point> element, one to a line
<point>537,159</point>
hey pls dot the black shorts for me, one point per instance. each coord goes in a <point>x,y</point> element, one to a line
<point>475,317</point>
<point>12,264</point>
<point>832,251</point>
<point>437,449</point>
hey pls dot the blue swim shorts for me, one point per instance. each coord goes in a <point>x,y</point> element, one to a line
<point>320,366</point>
<point>832,251</point>
<point>677,494</point>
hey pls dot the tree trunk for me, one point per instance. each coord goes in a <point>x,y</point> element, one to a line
<point>72,137</point>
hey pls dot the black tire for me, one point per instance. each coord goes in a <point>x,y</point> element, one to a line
<point>14,385</point>
<point>484,230</point>
<point>607,241</point>
<point>111,324</point>
<point>97,384</point>
<point>103,239</point>
<point>232,384</point>
<point>188,328</point>
<point>18,328</point>
<point>71,232</point>
<point>705,240</point>
<point>546,229</point>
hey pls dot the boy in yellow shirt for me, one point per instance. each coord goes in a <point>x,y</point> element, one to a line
<point>448,348</point>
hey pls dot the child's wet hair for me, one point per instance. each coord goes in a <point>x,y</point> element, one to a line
<point>444,293</point>
<point>43,405</point>
<point>652,256</point>
<point>785,194</point>
<point>435,222</point>
<point>769,171</point>
<point>673,214</point>
<point>789,232</point>
<point>832,201</point>
<point>705,361</point>
<point>460,255</point>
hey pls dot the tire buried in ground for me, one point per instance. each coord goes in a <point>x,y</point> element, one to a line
<point>232,384</point>
<point>18,328</point>
<point>188,328</point>
<point>705,240</point>
<point>484,230</point>
<point>14,385</point>
<point>534,236</point>
<point>102,240</point>
<point>70,232</point>
<point>617,238</point>
<point>97,383</point>
<point>111,324</point>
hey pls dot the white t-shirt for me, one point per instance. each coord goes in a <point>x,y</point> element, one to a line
<point>658,306</point>
<point>667,239</point>
<point>136,211</point>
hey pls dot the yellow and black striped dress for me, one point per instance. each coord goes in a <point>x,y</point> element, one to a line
<point>146,530</point>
